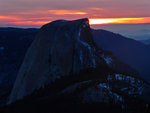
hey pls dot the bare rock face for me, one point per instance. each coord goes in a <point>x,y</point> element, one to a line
<point>64,64</point>
<point>61,47</point>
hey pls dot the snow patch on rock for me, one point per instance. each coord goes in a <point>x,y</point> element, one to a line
<point>101,93</point>
<point>107,59</point>
<point>87,46</point>
<point>132,86</point>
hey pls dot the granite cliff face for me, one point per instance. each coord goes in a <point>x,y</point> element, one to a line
<point>60,48</point>
<point>64,66</point>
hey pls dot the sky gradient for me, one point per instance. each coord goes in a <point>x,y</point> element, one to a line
<point>39,12</point>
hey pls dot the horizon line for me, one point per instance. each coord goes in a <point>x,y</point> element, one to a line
<point>92,22</point>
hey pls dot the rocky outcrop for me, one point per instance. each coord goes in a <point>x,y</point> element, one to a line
<point>60,48</point>
<point>64,66</point>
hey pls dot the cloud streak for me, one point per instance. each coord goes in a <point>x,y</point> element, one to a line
<point>66,12</point>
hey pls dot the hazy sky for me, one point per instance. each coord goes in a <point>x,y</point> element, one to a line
<point>37,12</point>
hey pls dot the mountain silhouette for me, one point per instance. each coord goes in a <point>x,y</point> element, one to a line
<point>129,51</point>
<point>64,70</point>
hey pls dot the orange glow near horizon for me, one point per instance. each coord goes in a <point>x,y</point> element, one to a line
<point>119,21</point>
<point>100,21</point>
<point>27,23</point>
<point>12,20</point>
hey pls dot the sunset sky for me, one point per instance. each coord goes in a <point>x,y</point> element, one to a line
<point>39,12</point>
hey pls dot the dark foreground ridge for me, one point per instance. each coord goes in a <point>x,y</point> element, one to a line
<point>64,71</point>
